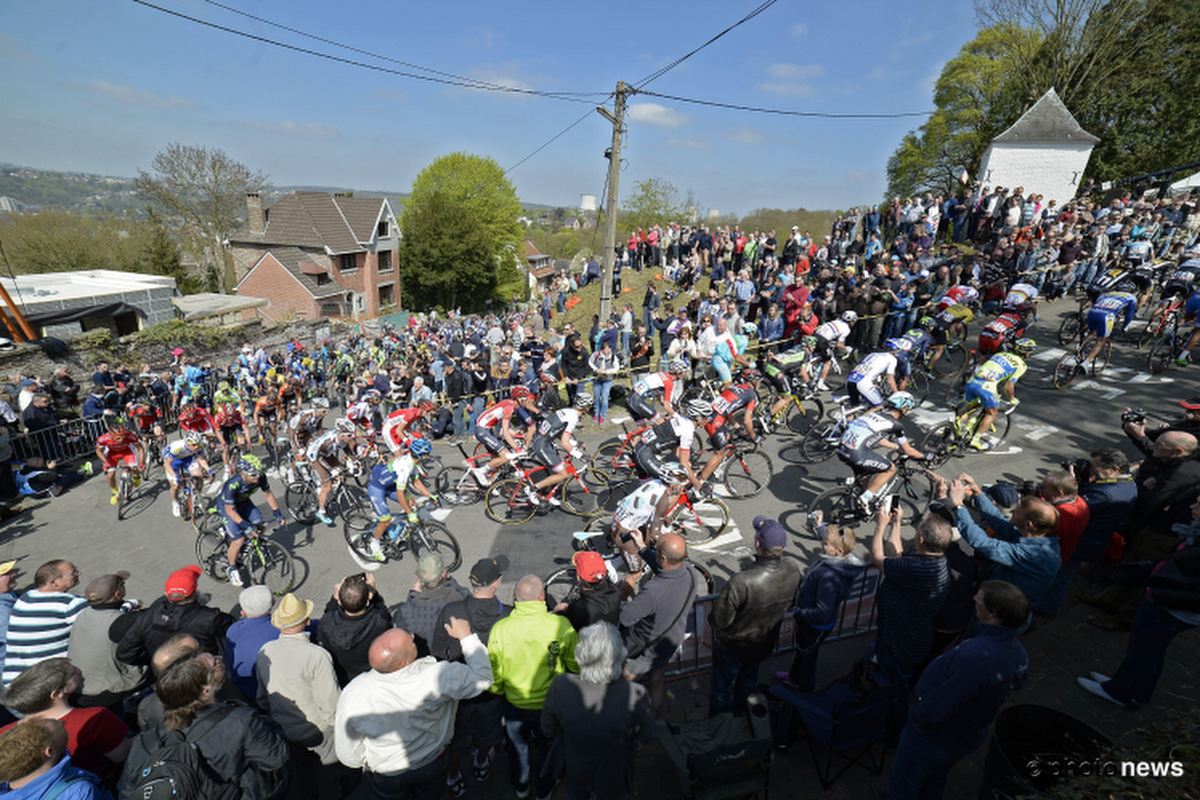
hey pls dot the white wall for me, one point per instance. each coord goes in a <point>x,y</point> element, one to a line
<point>1051,170</point>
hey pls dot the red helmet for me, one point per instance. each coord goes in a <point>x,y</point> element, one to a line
<point>426,405</point>
<point>520,394</point>
<point>230,409</point>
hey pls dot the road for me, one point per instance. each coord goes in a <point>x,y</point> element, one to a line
<point>1049,427</point>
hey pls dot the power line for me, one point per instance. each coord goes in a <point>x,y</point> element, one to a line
<point>785,112</point>
<point>475,81</point>
<point>552,139</point>
<point>466,84</point>
<point>659,73</point>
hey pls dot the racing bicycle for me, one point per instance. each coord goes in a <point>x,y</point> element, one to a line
<point>508,503</point>
<point>953,437</point>
<point>261,560</point>
<point>420,537</point>
<point>562,585</point>
<point>842,505</point>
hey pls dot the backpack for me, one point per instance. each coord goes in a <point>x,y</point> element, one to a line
<point>175,768</point>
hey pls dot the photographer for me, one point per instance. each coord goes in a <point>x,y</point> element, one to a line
<point>1110,494</point>
<point>1133,422</point>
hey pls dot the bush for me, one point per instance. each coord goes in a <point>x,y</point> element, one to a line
<point>177,332</point>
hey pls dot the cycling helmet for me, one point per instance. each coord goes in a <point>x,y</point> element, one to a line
<point>230,408</point>
<point>750,329</point>
<point>673,472</point>
<point>1126,285</point>
<point>1024,346</point>
<point>583,401</point>
<point>520,394</point>
<point>144,401</point>
<point>808,342</point>
<point>901,401</point>
<point>901,344</point>
<point>927,323</point>
<point>678,366</point>
<point>320,404</point>
<point>850,317</point>
<point>697,408</point>
<point>420,447</point>
<point>372,394</point>
<point>223,386</point>
<point>118,427</point>
<point>426,405</point>
<point>751,374</point>
<point>344,425</point>
<point>250,463</point>
<point>193,438</point>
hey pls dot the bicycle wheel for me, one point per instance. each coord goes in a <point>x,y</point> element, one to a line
<point>433,537</point>
<point>1066,369</point>
<point>1102,358</point>
<point>706,584</point>
<point>918,387</point>
<point>1161,354</point>
<point>1154,327</point>
<point>821,442</point>
<point>999,430</point>
<point>748,473</point>
<point>583,496</point>
<point>952,363</point>
<point>838,508</point>
<point>506,503</point>
<point>124,492</point>
<point>1068,331</point>
<point>942,442</point>
<point>612,463</point>
<point>703,522</point>
<point>801,414</point>
<point>956,392</point>
<point>211,553</point>
<point>301,500</point>
<point>269,564</point>
<point>602,543</point>
<point>458,487</point>
<point>562,586</point>
<point>357,529</point>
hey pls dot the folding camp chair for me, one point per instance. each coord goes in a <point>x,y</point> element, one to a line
<point>722,756</point>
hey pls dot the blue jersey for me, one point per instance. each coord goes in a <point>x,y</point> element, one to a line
<point>238,491</point>
<point>919,340</point>
<point>1116,303</point>
<point>383,478</point>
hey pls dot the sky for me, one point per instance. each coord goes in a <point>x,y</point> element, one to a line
<point>103,85</point>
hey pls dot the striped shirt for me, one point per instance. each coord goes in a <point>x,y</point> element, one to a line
<point>39,628</point>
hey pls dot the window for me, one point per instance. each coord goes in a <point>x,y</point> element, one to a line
<point>348,262</point>
<point>382,232</point>
<point>385,260</point>
<point>387,295</point>
<point>323,279</point>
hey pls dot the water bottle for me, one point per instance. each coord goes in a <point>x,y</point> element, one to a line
<point>396,528</point>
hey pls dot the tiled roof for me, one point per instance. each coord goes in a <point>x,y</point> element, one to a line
<point>317,219</point>
<point>291,258</point>
<point>1048,121</point>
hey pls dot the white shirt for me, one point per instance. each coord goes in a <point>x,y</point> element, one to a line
<point>398,721</point>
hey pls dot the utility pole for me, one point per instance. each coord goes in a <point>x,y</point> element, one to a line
<point>616,117</point>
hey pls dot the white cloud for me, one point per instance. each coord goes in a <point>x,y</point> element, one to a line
<point>791,72</point>
<point>659,116</point>
<point>137,97</point>
<point>799,29</point>
<point>689,144</point>
<point>298,130</point>
<point>746,135</point>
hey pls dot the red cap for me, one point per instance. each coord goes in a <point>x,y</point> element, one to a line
<point>589,566</point>
<point>182,583</point>
<point>1191,405</point>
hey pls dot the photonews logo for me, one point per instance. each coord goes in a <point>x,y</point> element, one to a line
<point>1071,768</point>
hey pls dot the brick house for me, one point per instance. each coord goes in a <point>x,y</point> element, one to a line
<point>539,268</point>
<point>314,254</point>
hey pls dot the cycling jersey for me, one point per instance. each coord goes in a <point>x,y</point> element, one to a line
<point>237,491</point>
<point>1182,282</point>
<point>234,420</point>
<point>1104,312</point>
<point>855,448</point>
<point>196,419</point>
<point>637,509</point>
<point>267,405</point>
<point>1020,295</point>
<point>1191,309</point>
<point>874,365</point>
<point>564,420</point>
<point>832,333</point>
<point>958,296</point>
<point>731,401</point>
<point>398,422</point>
<point>360,414</point>
<point>676,432</point>
<point>1001,368</point>
<point>305,421</point>
<point>1007,327</point>
<point>326,447</point>
<point>918,342</point>
<point>1138,251</point>
<point>496,413</point>
<point>789,362</point>
<point>179,456</point>
<point>145,416</point>
<point>659,384</point>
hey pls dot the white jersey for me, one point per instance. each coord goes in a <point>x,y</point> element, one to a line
<point>834,332</point>
<point>637,509</point>
<point>873,366</point>
<point>1020,294</point>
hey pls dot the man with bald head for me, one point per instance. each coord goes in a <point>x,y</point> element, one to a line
<point>395,721</point>
<point>657,616</point>
<point>528,649</point>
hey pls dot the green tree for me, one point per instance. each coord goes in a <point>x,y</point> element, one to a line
<point>652,201</point>
<point>461,239</point>
<point>58,241</point>
<point>162,257</point>
<point>202,192</point>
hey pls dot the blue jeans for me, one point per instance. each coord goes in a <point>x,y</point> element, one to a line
<point>730,683</point>
<point>922,763</point>
<point>1153,629</point>
<point>520,724</point>
<point>476,409</point>
<point>460,420</point>
<point>624,344</point>
<point>602,389</point>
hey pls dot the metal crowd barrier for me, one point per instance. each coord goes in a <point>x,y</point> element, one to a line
<point>856,616</point>
<point>68,441</point>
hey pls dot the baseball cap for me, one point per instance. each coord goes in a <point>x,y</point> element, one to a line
<point>104,588</point>
<point>8,566</point>
<point>182,583</point>
<point>27,383</point>
<point>769,532</point>
<point>430,566</point>
<point>589,566</point>
<point>487,570</point>
<point>1193,404</point>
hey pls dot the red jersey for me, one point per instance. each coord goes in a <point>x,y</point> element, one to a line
<point>230,420</point>
<point>146,416</point>
<point>498,412</point>
<point>117,444</point>
<point>196,419</point>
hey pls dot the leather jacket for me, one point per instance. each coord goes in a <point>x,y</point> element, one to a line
<point>747,614</point>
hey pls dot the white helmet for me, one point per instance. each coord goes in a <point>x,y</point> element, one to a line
<point>850,317</point>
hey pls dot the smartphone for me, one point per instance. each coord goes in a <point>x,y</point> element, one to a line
<point>890,503</point>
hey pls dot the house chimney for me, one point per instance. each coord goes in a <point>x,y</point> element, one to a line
<point>256,218</point>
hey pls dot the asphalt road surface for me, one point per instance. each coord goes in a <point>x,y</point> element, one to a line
<point>1050,426</point>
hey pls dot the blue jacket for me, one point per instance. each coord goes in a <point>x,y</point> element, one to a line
<point>80,785</point>
<point>1110,502</point>
<point>1028,562</point>
<point>93,406</point>
<point>824,589</point>
<point>960,693</point>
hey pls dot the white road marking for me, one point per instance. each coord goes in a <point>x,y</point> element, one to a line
<point>1050,354</point>
<point>1039,432</point>
<point>927,418</point>
<point>1010,451</point>
<point>732,537</point>
<point>1111,393</point>
<point>1086,383</point>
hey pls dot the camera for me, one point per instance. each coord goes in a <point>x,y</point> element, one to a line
<point>1083,470</point>
<point>1136,415</point>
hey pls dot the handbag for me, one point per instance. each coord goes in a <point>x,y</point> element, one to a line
<point>635,645</point>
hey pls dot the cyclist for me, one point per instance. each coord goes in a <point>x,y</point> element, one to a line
<point>194,418</point>
<point>185,455</point>
<point>117,445</point>
<point>830,336</point>
<point>1191,313</point>
<point>873,429</point>
<point>556,428</point>
<point>1181,283</point>
<point>1021,297</point>
<point>734,399</point>
<point>959,295</point>
<point>1102,317</point>
<point>949,324</point>
<point>148,417</point>
<point>1001,370</point>
<point>290,395</point>
<point>225,394</point>
<point>642,513</point>
<point>388,482</point>
<point>780,367</point>
<point>266,414</point>
<point>325,455</point>
<point>672,438</point>
<point>919,341</point>
<point>304,425</point>
<point>666,386</point>
<point>861,382</point>
<point>398,425</point>
<point>239,512</point>
<point>502,443</point>
<point>362,413</point>
<point>230,428</point>
<point>1001,332</point>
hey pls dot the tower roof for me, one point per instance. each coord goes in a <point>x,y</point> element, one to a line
<point>1048,121</point>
